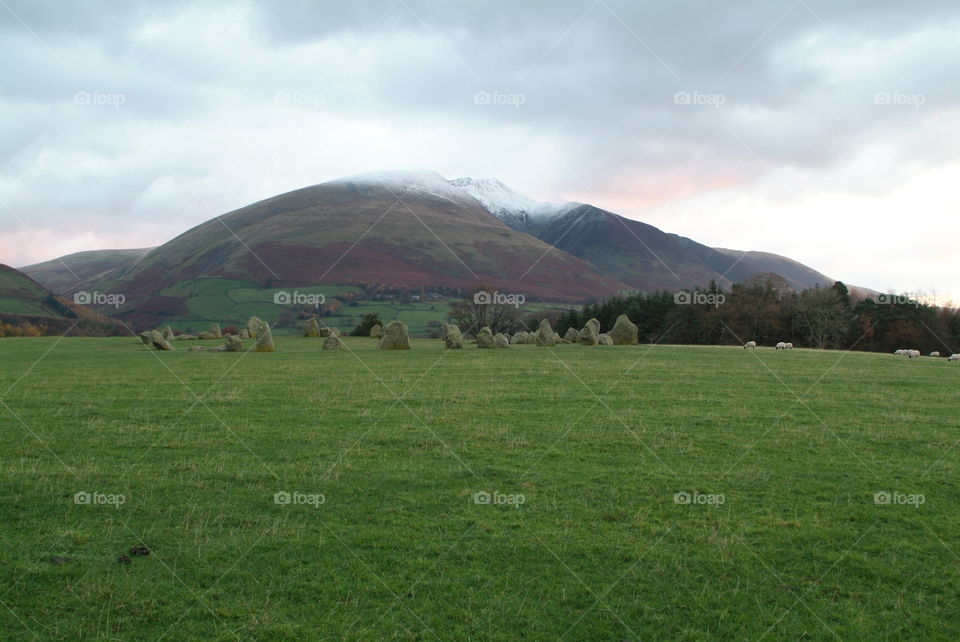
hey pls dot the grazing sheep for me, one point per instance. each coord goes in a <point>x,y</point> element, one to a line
<point>749,344</point>
<point>954,357</point>
<point>913,354</point>
<point>781,346</point>
<point>789,346</point>
<point>900,353</point>
<point>935,354</point>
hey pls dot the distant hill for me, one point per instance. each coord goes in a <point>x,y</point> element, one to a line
<point>636,253</point>
<point>79,271</point>
<point>27,307</point>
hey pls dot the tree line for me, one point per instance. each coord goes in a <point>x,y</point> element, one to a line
<point>767,310</point>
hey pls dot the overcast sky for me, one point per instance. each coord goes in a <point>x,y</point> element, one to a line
<point>822,130</point>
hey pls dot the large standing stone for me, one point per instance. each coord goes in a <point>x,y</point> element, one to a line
<point>253,324</point>
<point>604,340</point>
<point>454,338</point>
<point>572,335</point>
<point>333,342</point>
<point>244,333</point>
<point>521,337</point>
<point>329,331</point>
<point>394,336</point>
<point>233,344</point>
<point>264,338</point>
<point>624,333</point>
<point>485,338</point>
<point>376,332</point>
<point>215,330</point>
<point>545,334</point>
<point>158,341</point>
<point>311,328</point>
<point>590,335</point>
<point>500,340</point>
<point>444,329</point>
<point>167,333</point>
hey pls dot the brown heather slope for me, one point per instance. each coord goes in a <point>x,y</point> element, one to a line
<point>395,229</point>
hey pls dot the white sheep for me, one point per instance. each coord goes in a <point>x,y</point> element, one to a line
<point>781,346</point>
<point>913,354</point>
<point>789,346</point>
<point>935,354</point>
<point>749,344</point>
<point>954,357</point>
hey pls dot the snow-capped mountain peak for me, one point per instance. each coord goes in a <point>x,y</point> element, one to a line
<point>514,209</point>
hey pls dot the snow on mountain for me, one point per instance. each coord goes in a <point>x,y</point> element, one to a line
<point>516,210</point>
<point>401,182</point>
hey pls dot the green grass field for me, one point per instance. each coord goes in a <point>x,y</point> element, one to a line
<point>782,453</point>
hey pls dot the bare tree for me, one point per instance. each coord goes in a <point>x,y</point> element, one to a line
<point>477,311</point>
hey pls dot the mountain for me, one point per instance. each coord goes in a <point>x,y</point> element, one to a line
<point>74,272</point>
<point>796,273</point>
<point>404,229</point>
<point>636,253</point>
<point>407,230</point>
<point>26,307</point>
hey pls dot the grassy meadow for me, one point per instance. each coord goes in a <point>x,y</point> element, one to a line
<point>605,493</point>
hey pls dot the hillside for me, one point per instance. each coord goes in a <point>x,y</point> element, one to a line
<point>74,272</point>
<point>636,253</point>
<point>396,229</point>
<point>26,307</point>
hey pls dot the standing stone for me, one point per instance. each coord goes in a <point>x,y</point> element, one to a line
<point>215,330</point>
<point>207,336</point>
<point>233,344</point>
<point>158,341</point>
<point>166,333</point>
<point>253,324</point>
<point>311,328</point>
<point>604,340</point>
<point>624,333</point>
<point>376,331</point>
<point>244,333</point>
<point>333,342</point>
<point>147,338</point>
<point>264,338</point>
<point>501,341</point>
<point>454,338</point>
<point>572,335</point>
<point>329,331</point>
<point>394,337</point>
<point>590,335</point>
<point>485,338</point>
<point>444,329</point>
<point>545,334</point>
